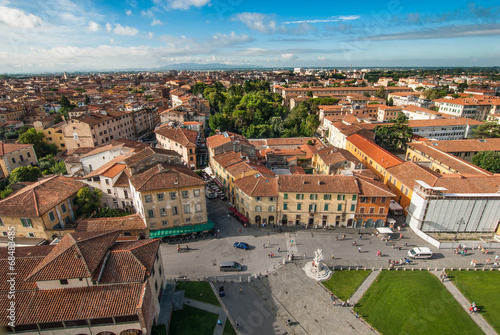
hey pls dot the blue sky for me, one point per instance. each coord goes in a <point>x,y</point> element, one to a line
<point>73,35</point>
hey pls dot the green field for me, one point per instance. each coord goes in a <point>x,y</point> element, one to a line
<point>413,302</point>
<point>482,288</point>
<point>198,290</point>
<point>190,320</point>
<point>344,283</point>
<point>228,329</point>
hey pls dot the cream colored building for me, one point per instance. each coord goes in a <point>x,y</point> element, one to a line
<point>256,198</point>
<point>14,155</point>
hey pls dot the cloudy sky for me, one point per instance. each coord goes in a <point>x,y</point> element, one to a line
<point>74,35</point>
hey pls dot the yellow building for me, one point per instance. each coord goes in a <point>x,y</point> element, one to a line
<point>53,134</point>
<point>14,155</point>
<point>319,200</point>
<point>256,198</point>
<point>43,209</point>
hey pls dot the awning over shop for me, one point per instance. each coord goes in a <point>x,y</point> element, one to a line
<point>182,230</point>
<point>240,216</point>
<point>384,230</point>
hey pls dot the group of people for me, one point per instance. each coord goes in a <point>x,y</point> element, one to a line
<point>379,253</point>
<point>473,308</point>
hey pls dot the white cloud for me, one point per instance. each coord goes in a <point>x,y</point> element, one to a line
<point>151,35</point>
<point>348,17</point>
<point>111,41</point>
<point>93,27</point>
<point>321,57</point>
<point>262,23</point>
<point>125,30</point>
<point>148,12</point>
<point>231,39</point>
<point>289,56</point>
<point>128,12</point>
<point>108,27</point>
<point>181,4</point>
<point>157,22</point>
<point>311,21</point>
<point>16,18</point>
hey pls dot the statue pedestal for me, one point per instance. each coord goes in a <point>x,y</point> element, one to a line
<point>319,273</point>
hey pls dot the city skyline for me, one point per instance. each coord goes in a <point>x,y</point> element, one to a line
<point>80,35</point>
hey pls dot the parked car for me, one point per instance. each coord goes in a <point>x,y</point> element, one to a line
<point>230,266</point>
<point>241,245</point>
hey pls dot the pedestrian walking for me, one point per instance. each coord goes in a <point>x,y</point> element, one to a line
<point>279,249</point>
<point>241,290</point>
<point>360,237</point>
<point>263,245</point>
<point>219,322</point>
<point>240,230</point>
<point>359,249</point>
<point>268,243</point>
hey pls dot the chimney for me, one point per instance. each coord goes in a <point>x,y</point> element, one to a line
<point>160,168</point>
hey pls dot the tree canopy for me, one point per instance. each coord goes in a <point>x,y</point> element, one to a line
<point>395,136</point>
<point>487,130</point>
<point>25,173</point>
<point>488,160</point>
<point>31,136</point>
<point>88,201</point>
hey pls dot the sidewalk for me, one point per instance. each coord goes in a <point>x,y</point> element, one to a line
<point>362,289</point>
<point>462,300</point>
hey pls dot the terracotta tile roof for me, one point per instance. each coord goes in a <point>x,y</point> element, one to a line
<point>458,183</point>
<point>122,267</point>
<point>129,222</point>
<point>113,165</point>
<point>331,156</point>
<point>7,148</point>
<point>83,303</point>
<point>148,152</point>
<point>164,177</point>
<point>383,157</point>
<point>23,267</point>
<point>183,136</point>
<point>317,183</point>
<point>296,170</point>
<point>260,186</point>
<point>466,145</point>
<point>443,122</point>
<point>114,170</point>
<point>373,188</point>
<point>77,255</point>
<point>431,148</point>
<point>27,252</point>
<point>225,137</point>
<point>228,158</point>
<point>23,301</point>
<point>122,181</point>
<point>37,199</point>
<point>408,172</point>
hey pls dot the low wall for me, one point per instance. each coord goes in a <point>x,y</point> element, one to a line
<point>471,244</point>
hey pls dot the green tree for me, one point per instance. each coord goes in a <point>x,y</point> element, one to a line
<point>380,93</point>
<point>87,99</point>
<point>65,103</point>
<point>390,102</point>
<point>488,160</point>
<point>5,192</point>
<point>309,94</point>
<point>33,137</point>
<point>88,201</point>
<point>25,173</point>
<point>366,94</point>
<point>395,136</point>
<point>487,130</point>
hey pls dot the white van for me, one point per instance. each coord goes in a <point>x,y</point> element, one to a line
<point>230,266</point>
<point>420,252</point>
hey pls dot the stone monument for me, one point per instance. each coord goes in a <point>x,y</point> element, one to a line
<point>316,269</point>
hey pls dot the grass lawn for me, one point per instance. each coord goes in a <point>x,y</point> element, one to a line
<point>198,290</point>
<point>344,283</point>
<point>413,302</point>
<point>190,320</point>
<point>482,288</point>
<point>228,329</point>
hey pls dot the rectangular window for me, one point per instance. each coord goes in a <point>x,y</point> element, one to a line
<point>383,200</point>
<point>152,224</point>
<point>299,207</point>
<point>160,196</point>
<point>172,196</point>
<point>340,197</point>
<point>374,199</point>
<point>163,212</point>
<point>372,210</point>
<point>197,207</point>
<point>354,197</point>
<point>52,216</point>
<point>109,191</point>
<point>299,197</point>
<point>285,206</point>
<point>339,207</point>
<point>187,209</point>
<point>188,220</point>
<point>164,223</point>
<point>125,193</point>
<point>285,196</point>
<point>148,198</point>
<point>63,281</point>
<point>363,199</point>
<point>381,210</point>
<point>361,210</point>
<point>175,210</point>
<point>28,154</point>
<point>21,158</point>
<point>406,191</point>
<point>13,160</point>
<point>326,207</point>
<point>313,197</point>
<point>353,208</point>
<point>327,197</point>
<point>258,199</point>
<point>184,194</point>
<point>151,213</point>
<point>196,193</point>
<point>63,208</point>
<point>31,234</point>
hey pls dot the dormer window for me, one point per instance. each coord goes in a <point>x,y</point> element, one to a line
<point>63,281</point>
